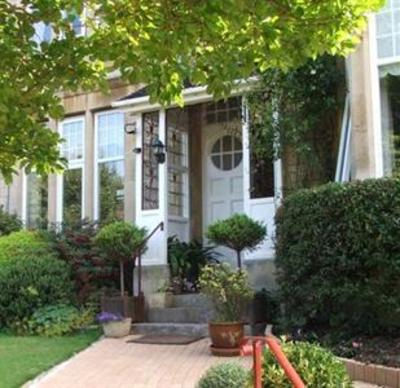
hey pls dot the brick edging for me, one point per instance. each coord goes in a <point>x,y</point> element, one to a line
<point>372,373</point>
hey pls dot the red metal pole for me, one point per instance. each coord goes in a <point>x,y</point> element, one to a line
<point>284,362</point>
<point>257,363</point>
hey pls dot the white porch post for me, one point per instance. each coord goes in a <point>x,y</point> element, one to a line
<point>156,253</point>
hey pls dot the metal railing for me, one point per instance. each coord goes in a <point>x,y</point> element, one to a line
<point>254,346</point>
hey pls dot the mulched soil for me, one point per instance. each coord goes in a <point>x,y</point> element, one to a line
<point>375,350</point>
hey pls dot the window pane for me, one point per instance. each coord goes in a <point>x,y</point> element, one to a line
<point>37,201</point>
<point>111,201</point>
<point>223,110</point>
<point>384,23</point>
<point>385,47</point>
<point>72,147</point>
<point>110,131</point>
<point>261,171</point>
<point>177,128</point>
<point>72,196</point>
<point>390,106</point>
<point>227,162</point>
<point>150,179</point>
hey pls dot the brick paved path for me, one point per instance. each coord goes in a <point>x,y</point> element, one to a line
<point>114,363</point>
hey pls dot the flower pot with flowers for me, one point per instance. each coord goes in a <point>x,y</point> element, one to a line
<point>229,291</point>
<point>114,325</point>
<point>121,241</point>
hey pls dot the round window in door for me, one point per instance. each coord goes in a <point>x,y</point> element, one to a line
<point>226,153</point>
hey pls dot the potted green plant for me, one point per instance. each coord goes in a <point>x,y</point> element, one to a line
<point>114,325</point>
<point>238,232</point>
<point>121,241</point>
<point>229,291</point>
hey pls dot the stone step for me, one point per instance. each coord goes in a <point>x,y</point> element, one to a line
<point>190,329</point>
<point>192,300</point>
<point>179,315</point>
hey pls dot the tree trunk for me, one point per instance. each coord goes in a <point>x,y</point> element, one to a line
<point>239,260</point>
<point>121,277</point>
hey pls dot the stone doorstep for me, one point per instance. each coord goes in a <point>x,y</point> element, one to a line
<point>373,374</point>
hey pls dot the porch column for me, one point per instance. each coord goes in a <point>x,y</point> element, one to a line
<point>365,108</point>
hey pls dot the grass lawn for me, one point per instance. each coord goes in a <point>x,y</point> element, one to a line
<point>22,358</point>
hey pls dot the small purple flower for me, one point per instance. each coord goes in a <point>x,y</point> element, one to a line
<point>105,317</point>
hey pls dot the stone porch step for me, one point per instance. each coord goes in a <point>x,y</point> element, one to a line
<point>190,329</point>
<point>192,300</point>
<point>178,315</point>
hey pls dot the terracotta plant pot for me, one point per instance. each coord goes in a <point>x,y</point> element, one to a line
<point>117,329</point>
<point>226,335</point>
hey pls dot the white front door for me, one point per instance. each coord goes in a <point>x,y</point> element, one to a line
<point>223,173</point>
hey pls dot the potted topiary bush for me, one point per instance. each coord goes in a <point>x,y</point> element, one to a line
<point>121,241</point>
<point>238,232</point>
<point>114,324</point>
<point>229,291</point>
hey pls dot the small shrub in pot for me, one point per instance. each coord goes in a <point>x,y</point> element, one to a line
<point>114,325</point>
<point>238,232</point>
<point>229,291</point>
<point>120,241</point>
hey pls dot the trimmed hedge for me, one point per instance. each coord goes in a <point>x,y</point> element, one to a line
<point>31,276</point>
<point>338,256</point>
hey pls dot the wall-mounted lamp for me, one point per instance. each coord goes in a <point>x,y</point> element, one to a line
<point>130,128</point>
<point>159,150</point>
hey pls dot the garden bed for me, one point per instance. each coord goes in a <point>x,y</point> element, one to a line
<point>376,350</point>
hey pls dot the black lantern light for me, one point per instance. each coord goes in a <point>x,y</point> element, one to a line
<point>158,150</point>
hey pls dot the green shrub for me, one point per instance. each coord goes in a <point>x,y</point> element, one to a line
<point>58,320</point>
<point>23,243</point>
<point>338,256</point>
<point>8,222</point>
<point>120,241</point>
<point>228,289</point>
<point>238,232</point>
<point>90,271</point>
<point>227,375</point>
<point>186,259</point>
<point>317,367</point>
<point>31,276</point>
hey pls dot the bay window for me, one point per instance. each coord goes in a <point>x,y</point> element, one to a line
<point>388,47</point>
<point>72,131</point>
<point>109,201</point>
<point>36,200</point>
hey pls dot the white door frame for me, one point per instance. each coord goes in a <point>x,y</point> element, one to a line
<point>260,208</point>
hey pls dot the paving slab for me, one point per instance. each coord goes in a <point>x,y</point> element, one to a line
<point>115,363</point>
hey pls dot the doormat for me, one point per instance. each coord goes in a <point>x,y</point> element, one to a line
<point>165,339</point>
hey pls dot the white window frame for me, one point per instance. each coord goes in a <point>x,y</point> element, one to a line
<point>97,161</point>
<point>72,165</point>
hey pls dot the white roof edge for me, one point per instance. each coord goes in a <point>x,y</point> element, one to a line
<point>192,95</point>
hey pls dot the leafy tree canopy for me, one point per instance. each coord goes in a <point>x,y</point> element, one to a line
<point>161,43</point>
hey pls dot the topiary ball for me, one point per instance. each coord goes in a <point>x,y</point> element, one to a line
<point>227,375</point>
